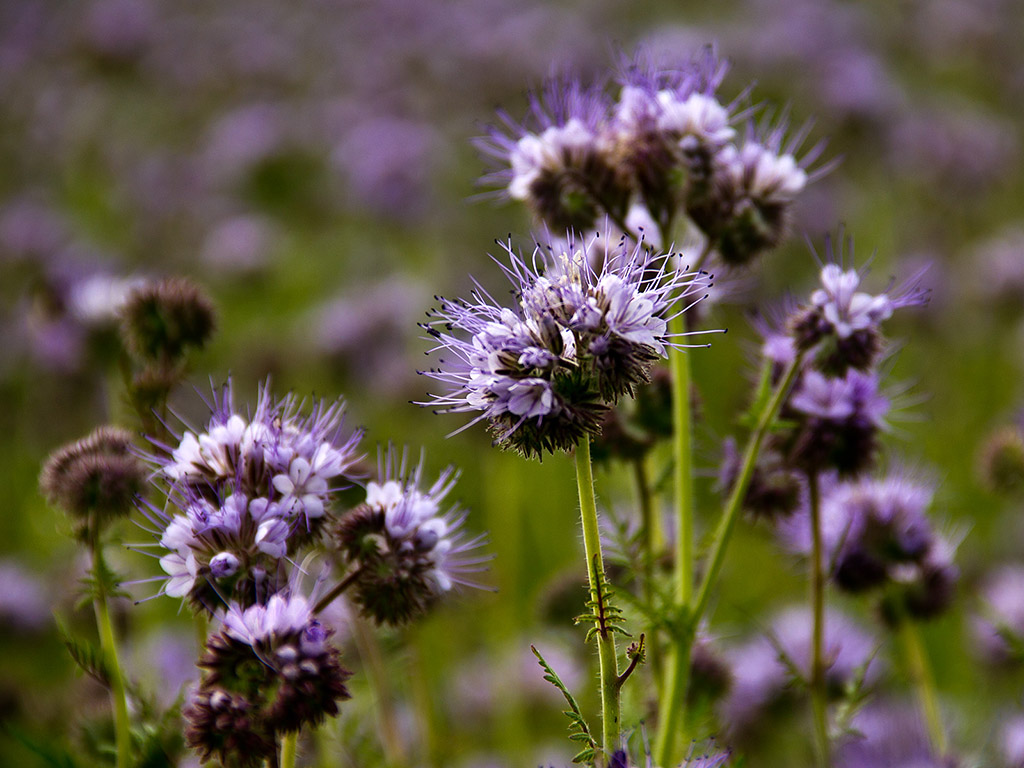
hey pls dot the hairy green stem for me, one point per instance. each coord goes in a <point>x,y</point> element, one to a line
<point>289,742</point>
<point>607,660</point>
<point>924,683</point>
<point>108,646</point>
<point>819,701</point>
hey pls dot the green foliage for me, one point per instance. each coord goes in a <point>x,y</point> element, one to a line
<point>579,731</point>
<point>90,659</point>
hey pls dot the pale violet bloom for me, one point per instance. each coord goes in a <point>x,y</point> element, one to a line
<point>844,307</point>
<point>761,174</point>
<point>533,154</point>
<point>281,616</point>
<point>697,120</point>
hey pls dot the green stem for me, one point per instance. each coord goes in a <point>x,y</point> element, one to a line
<point>924,683</point>
<point>607,659</point>
<point>819,701</point>
<point>108,646</point>
<point>340,587</point>
<point>734,505</point>
<point>652,541</point>
<point>289,742</point>
<point>674,694</point>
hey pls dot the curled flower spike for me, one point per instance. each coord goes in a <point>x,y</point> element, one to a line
<point>244,495</point>
<point>545,373</point>
<point>745,206</point>
<point>842,323</point>
<point>562,164</point>
<point>407,552</point>
<point>270,670</point>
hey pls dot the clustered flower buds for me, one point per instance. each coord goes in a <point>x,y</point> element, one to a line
<point>544,374</point>
<point>666,144</point>
<point>270,670</point>
<point>161,320</point>
<point>96,479</point>
<point>406,552</point>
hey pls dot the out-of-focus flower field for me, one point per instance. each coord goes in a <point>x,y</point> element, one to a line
<point>311,165</point>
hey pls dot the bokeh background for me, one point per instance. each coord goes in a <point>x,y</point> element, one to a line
<point>310,164</point>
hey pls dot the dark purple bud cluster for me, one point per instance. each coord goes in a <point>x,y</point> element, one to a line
<point>162,320</point>
<point>665,145</point>
<point>96,479</point>
<point>270,671</point>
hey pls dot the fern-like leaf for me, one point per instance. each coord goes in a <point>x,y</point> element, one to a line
<point>87,656</point>
<point>579,731</point>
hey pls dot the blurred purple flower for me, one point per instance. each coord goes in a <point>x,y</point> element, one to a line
<point>886,735</point>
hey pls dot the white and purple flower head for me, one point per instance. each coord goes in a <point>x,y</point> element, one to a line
<point>544,373</point>
<point>406,548</point>
<point>560,160</point>
<point>245,493</point>
<point>844,321</point>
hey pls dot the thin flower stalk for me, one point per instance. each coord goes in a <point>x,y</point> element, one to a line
<point>289,743</point>
<point>924,683</point>
<point>608,662</point>
<point>673,698</point>
<point>653,540</point>
<point>108,645</point>
<point>819,702</point>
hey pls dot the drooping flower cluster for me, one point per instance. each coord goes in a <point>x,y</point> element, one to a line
<point>665,144</point>
<point>877,537</point>
<point>270,670</point>
<point>543,374</point>
<point>246,493</point>
<point>403,549</point>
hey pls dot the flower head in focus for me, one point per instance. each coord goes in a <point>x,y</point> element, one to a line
<point>544,374</point>
<point>246,493</point>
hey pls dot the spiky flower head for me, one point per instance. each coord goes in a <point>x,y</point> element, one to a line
<point>843,324</point>
<point>95,479</point>
<point>407,550</point>
<point>834,422</point>
<point>668,126</point>
<point>161,320</point>
<point>544,374</point>
<point>245,493</point>
<point>270,670</point>
<point>745,204</point>
<point>559,162</point>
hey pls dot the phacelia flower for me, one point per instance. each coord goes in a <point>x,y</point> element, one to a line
<point>846,322</point>
<point>244,494</point>
<point>745,204</point>
<point>999,628</point>
<point>562,166</point>
<point>888,735</point>
<point>408,552</point>
<point>836,422</point>
<point>668,126</point>
<point>270,670</point>
<point>162,320</point>
<point>544,374</point>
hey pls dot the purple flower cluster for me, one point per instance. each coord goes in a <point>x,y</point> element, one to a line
<point>245,494</point>
<point>876,536</point>
<point>544,374</point>
<point>405,551</point>
<point>666,144</point>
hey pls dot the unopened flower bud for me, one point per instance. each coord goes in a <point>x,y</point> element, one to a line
<point>223,565</point>
<point>161,321</point>
<point>1001,463</point>
<point>94,479</point>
